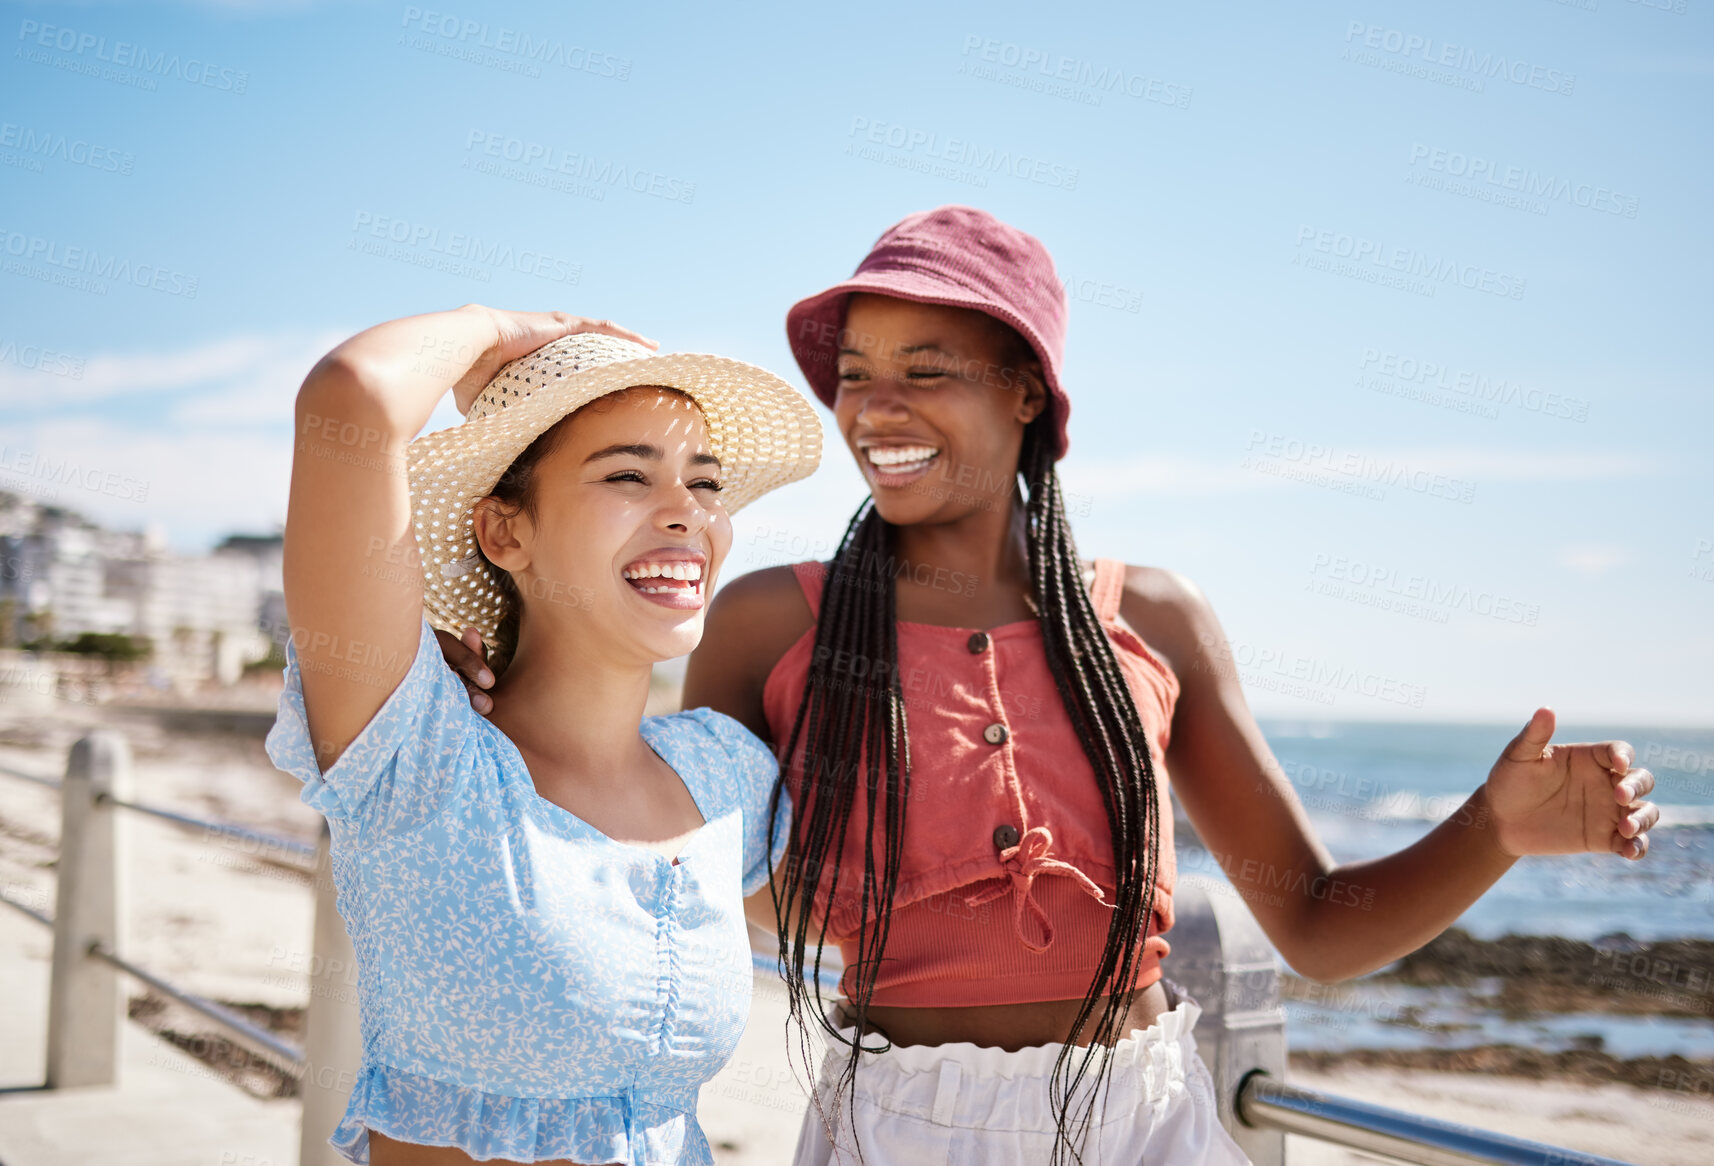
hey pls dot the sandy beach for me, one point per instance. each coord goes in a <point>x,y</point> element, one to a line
<point>232,922</point>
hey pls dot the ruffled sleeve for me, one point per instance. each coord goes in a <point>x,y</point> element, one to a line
<point>403,766</point>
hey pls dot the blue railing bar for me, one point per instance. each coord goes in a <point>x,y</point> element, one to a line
<point>44,920</point>
<point>301,849</point>
<point>51,783</point>
<point>258,1040</point>
<point>291,846</point>
<point>1265,1102</point>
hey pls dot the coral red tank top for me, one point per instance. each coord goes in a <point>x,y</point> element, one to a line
<point>1005,891</point>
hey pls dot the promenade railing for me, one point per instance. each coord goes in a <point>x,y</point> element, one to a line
<point>1220,958</point>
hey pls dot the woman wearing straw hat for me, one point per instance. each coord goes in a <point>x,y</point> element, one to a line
<point>546,906</point>
<point>984,723</point>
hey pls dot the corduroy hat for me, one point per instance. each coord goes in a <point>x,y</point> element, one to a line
<point>762,430</point>
<point>953,255</point>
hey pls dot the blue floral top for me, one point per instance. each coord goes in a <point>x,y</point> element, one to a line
<point>530,988</point>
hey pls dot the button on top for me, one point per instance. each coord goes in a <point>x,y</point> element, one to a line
<point>978,643</point>
<point>996,734</point>
<point>1006,837</point>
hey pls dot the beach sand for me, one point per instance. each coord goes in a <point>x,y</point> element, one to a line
<point>233,922</point>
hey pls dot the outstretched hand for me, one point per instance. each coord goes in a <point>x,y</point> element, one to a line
<point>467,656</point>
<point>1568,799</point>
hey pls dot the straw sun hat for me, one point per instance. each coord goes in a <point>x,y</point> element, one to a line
<point>762,430</point>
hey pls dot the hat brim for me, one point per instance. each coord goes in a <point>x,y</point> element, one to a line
<point>764,432</point>
<point>813,325</point>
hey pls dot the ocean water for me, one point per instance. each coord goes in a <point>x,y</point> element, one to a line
<point>1372,789</point>
<point>1366,1015</point>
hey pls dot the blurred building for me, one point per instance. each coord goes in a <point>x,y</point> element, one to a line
<point>203,616</point>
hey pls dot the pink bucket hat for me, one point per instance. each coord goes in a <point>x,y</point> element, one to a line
<point>954,255</point>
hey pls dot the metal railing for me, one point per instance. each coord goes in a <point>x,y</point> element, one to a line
<point>85,1005</point>
<point>1221,960</point>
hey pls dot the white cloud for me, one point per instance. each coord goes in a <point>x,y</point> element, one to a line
<point>215,457</point>
<point>225,371</point>
<point>1592,560</point>
<point>197,484</point>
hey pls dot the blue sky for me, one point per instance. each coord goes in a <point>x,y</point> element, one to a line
<point>1385,314</point>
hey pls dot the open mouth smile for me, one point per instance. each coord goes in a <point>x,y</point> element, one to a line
<point>897,465</point>
<point>674,581</point>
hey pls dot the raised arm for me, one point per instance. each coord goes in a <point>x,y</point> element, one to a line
<point>1331,922</point>
<point>353,595</point>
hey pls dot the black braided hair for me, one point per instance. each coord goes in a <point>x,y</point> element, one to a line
<point>852,721</point>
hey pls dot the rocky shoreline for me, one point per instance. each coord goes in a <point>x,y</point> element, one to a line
<point>1517,977</point>
<point>1588,1066</point>
<point>1615,974</point>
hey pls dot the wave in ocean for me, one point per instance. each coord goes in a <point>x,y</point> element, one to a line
<point>1415,807</point>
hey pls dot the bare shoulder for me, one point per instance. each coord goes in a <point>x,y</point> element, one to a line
<point>769,581</point>
<point>752,622</point>
<point>1169,611</point>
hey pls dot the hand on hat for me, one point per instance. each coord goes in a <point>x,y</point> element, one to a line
<point>515,334</point>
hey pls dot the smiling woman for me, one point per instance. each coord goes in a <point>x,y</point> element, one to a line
<point>547,907</point>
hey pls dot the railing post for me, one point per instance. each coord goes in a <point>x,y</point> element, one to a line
<point>333,1041</point>
<point>85,1007</point>
<point>1223,959</point>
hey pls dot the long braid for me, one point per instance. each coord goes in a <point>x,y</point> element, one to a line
<point>1104,715</point>
<point>853,713</point>
<point>853,696</point>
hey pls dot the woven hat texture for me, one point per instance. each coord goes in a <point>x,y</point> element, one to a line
<point>763,431</point>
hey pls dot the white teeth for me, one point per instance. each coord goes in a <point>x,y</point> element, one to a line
<point>900,455</point>
<point>683,572</point>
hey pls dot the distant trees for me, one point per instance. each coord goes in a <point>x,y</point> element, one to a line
<point>113,647</point>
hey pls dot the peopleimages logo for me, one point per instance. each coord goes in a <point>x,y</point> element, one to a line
<point>1439,58</point>
<point>34,467</point>
<point>463,37</point>
<point>44,360</point>
<point>1060,75</point>
<point>541,164</point>
<point>457,252</point>
<point>85,268</point>
<point>962,152</point>
<point>1488,390</point>
<point>1521,180</point>
<point>78,152</point>
<point>1405,262</point>
<point>126,55</point>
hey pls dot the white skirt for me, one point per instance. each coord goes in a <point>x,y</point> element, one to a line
<point>947,1105</point>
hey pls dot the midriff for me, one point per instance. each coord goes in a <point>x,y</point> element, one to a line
<point>1005,1026</point>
